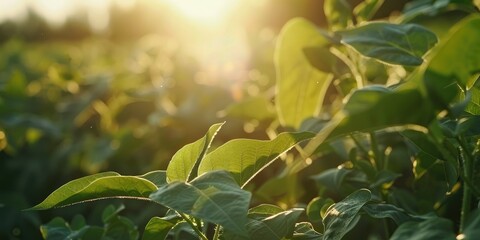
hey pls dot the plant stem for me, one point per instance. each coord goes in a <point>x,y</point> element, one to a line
<point>194,227</point>
<point>376,153</point>
<point>466,161</point>
<point>217,232</point>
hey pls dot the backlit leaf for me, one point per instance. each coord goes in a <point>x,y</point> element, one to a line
<point>183,162</point>
<point>98,186</point>
<point>213,196</point>
<point>157,229</point>
<point>245,158</point>
<point>300,87</point>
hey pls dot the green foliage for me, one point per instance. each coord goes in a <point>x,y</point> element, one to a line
<point>403,44</point>
<point>298,82</point>
<point>213,196</point>
<point>392,145</point>
<point>114,227</point>
<point>245,158</point>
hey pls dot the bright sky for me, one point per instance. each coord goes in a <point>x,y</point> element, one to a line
<point>56,12</point>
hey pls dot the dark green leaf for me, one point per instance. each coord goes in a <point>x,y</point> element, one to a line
<point>278,226</point>
<point>341,217</point>
<point>391,43</point>
<point>472,226</point>
<point>317,208</point>
<point>387,211</point>
<point>333,178</point>
<point>184,161</point>
<point>432,228</point>
<point>384,176</point>
<point>300,87</point>
<point>245,158</point>
<point>305,231</point>
<point>213,196</point>
<point>375,108</point>
<point>157,229</point>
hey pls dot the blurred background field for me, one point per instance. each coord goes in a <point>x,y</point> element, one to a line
<point>91,86</point>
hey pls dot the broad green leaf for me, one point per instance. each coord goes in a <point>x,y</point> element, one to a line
<point>70,189</point>
<point>264,210</point>
<point>98,186</point>
<point>472,226</point>
<point>443,76</point>
<point>305,231</point>
<point>403,44</point>
<point>338,14</point>
<point>158,177</point>
<point>473,106</point>
<point>256,107</point>
<point>118,227</point>
<point>384,176</point>
<point>432,228</point>
<point>300,87</point>
<point>375,108</point>
<point>59,229</point>
<point>245,158</point>
<point>213,196</point>
<point>188,157</point>
<point>341,217</point>
<point>317,208</point>
<point>387,211</point>
<point>157,229</point>
<point>322,59</point>
<point>332,179</point>
<point>365,10</point>
<point>278,226</point>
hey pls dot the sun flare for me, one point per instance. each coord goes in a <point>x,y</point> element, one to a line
<point>203,11</point>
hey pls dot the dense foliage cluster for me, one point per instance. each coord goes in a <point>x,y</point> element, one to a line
<point>373,133</point>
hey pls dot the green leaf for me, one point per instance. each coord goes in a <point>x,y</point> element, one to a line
<point>473,106</point>
<point>332,179</point>
<point>387,211</point>
<point>384,176</point>
<point>374,108</point>
<point>472,226</point>
<point>432,228</point>
<point>158,177</point>
<point>338,14</point>
<point>157,229</point>
<point>391,43</point>
<point>300,87</point>
<point>317,208</point>
<point>59,229</point>
<point>341,217</point>
<point>264,210</point>
<point>443,76</point>
<point>278,226</point>
<point>95,187</point>
<point>365,10</point>
<point>245,158</point>
<point>305,231</point>
<point>213,196</point>
<point>188,157</point>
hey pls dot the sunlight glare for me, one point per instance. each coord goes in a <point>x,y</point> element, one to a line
<point>203,11</point>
